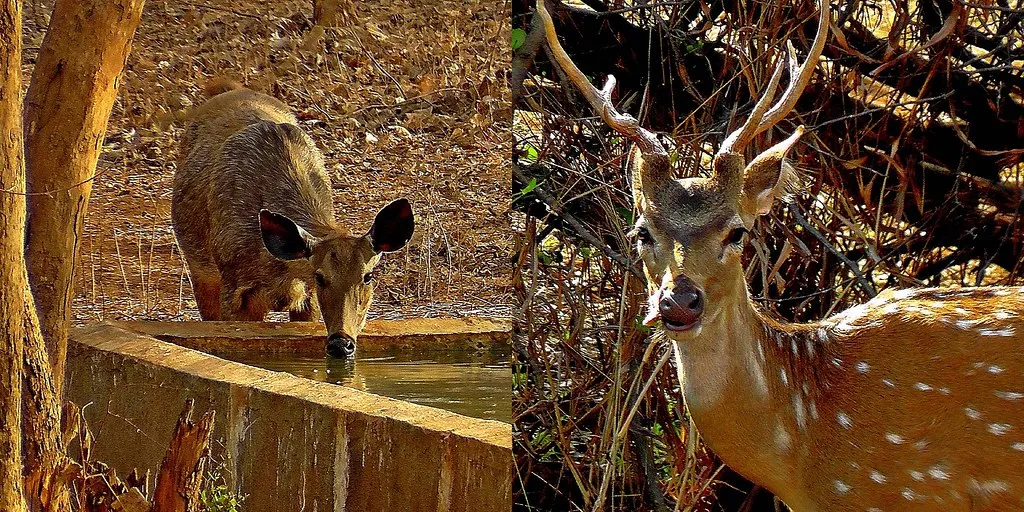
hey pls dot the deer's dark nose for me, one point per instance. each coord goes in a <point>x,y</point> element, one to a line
<point>682,306</point>
<point>341,345</point>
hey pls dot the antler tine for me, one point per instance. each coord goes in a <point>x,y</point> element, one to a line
<point>601,101</point>
<point>741,137</point>
<point>800,76</point>
<point>803,75</point>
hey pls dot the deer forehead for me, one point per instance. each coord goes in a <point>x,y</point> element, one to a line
<point>690,211</point>
<point>345,253</point>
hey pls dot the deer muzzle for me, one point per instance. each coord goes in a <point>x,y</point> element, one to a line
<point>681,306</point>
<point>341,345</point>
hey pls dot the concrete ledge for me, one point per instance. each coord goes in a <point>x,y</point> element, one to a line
<point>289,443</point>
<point>308,338</point>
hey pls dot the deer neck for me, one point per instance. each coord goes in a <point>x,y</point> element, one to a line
<point>743,375</point>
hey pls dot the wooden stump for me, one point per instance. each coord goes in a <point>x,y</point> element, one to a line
<point>181,472</point>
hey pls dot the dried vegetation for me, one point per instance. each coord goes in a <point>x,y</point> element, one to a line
<point>911,175</point>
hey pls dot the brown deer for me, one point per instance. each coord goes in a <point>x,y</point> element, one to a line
<point>253,215</point>
<point>912,401</point>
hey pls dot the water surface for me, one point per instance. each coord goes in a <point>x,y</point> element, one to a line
<point>477,384</point>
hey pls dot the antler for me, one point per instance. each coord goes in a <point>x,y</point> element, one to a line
<point>759,121</point>
<point>650,171</point>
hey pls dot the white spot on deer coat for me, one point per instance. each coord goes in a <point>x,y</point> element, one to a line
<point>999,428</point>
<point>798,411</point>
<point>938,472</point>
<point>988,487</point>
<point>997,332</point>
<point>842,487</point>
<point>844,420</point>
<point>782,439</point>
<point>894,438</point>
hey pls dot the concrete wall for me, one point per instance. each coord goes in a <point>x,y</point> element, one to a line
<point>309,338</point>
<point>291,444</point>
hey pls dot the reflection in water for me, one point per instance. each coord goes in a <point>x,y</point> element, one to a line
<point>477,384</point>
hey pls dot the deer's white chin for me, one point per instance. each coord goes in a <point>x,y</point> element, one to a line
<point>680,332</point>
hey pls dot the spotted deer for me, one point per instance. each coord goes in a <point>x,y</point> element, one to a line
<point>911,401</point>
<point>253,215</point>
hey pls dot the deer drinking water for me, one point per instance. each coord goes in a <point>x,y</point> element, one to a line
<point>253,215</point>
<point>912,401</point>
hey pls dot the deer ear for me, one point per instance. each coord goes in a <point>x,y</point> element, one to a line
<point>768,177</point>
<point>393,227</point>
<point>284,238</point>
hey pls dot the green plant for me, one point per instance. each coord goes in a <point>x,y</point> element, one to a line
<point>518,37</point>
<point>218,496</point>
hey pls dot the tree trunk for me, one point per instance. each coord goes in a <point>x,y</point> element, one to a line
<point>15,302</point>
<point>73,88</point>
<point>45,453</point>
<point>332,13</point>
<point>67,106</point>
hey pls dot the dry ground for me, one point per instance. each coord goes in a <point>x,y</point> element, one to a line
<point>408,99</point>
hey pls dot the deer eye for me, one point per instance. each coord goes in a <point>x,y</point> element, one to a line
<point>735,236</point>
<point>367,277</point>
<point>320,280</point>
<point>643,235</point>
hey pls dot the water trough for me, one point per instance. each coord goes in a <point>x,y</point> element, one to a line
<point>288,442</point>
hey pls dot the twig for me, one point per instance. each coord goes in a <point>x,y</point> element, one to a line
<point>227,10</point>
<point>579,229</point>
<point>864,283</point>
<point>382,70</point>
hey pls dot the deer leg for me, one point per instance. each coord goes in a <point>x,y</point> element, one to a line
<point>303,315</point>
<point>208,296</point>
<point>247,304</point>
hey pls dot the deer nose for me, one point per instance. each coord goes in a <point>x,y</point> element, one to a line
<point>341,345</point>
<point>682,306</point>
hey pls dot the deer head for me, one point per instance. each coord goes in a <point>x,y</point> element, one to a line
<point>690,231</point>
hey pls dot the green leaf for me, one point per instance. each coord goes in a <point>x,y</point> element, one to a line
<point>638,324</point>
<point>626,214</point>
<point>529,186</point>
<point>518,38</point>
<point>531,153</point>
